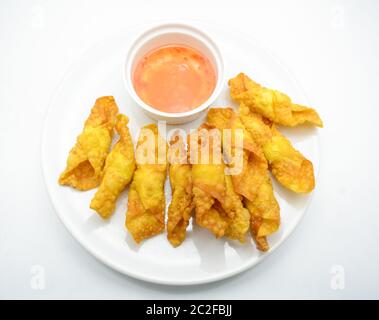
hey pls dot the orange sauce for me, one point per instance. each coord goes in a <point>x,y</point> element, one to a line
<point>174,78</point>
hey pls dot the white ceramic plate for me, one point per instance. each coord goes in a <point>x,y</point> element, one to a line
<point>201,258</point>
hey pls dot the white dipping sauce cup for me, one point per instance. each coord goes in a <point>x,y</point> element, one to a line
<point>173,34</point>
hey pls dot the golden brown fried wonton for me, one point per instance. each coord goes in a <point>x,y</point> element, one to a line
<point>86,159</point>
<point>181,206</point>
<point>146,200</point>
<point>118,171</point>
<point>271,104</point>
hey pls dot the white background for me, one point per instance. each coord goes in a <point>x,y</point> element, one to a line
<point>332,49</point>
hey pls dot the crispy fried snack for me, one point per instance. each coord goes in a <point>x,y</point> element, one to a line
<point>239,224</point>
<point>181,206</point>
<point>218,207</point>
<point>271,104</point>
<point>245,180</point>
<point>146,200</point>
<point>264,209</point>
<point>118,171</point>
<point>259,199</point>
<point>226,118</point>
<point>288,165</point>
<point>253,181</point>
<point>208,180</point>
<point>86,159</point>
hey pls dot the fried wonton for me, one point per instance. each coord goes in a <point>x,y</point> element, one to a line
<point>146,200</point>
<point>238,226</point>
<point>288,165</point>
<point>218,207</point>
<point>208,180</point>
<point>259,198</point>
<point>86,159</point>
<point>272,104</point>
<point>239,148</point>
<point>181,206</point>
<point>118,171</point>
<point>253,180</point>
<point>264,209</point>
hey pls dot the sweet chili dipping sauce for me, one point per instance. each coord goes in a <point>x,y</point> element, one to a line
<point>174,78</point>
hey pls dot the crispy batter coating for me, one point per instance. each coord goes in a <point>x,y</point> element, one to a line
<point>226,118</point>
<point>257,126</point>
<point>208,180</point>
<point>264,209</point>
<point>146,200</point>
<point>247,182</point>
<point>288,165</point>
<point>220,117</point>
<point>245,179</point>
<point>218,207</point>
<point>181,206</point>
<point>255,185</point>
<point>86,159</point>
<point>209,212</point>
<point>253,182</point>
<point>239,224</point>
<point>271,104</point>
<point>118,171</point>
